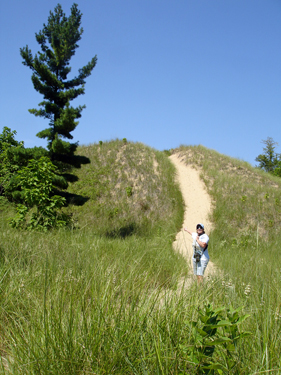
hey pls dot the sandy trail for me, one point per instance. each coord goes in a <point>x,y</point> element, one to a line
<point>197,209</point>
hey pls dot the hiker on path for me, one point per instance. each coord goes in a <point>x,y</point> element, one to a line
<point>200,257</point>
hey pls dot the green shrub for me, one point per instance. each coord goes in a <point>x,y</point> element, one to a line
<point>214,339</point>
<point>13,157</point>
<point>36,181</point>
<point>129,191</point>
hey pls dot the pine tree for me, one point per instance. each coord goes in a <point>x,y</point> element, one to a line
<point>270,160</point>
<point>50,66</point>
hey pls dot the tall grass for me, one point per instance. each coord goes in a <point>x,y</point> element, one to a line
<point>73,300</point>
<point>245,243</point>
<point>93,301</point>
<point>75,303</point>
<point>63,305</point>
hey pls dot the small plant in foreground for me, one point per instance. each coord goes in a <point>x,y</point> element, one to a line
<point>214,333</point>
<point>129,191</point>
<point>36,181</point>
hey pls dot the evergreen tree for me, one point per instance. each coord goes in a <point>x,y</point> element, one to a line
<point>50,66</point>
<point>270,160</point>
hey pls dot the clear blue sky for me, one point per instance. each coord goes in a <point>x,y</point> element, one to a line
<point>168,73</point>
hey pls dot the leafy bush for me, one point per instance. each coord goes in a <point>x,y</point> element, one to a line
<point>36,181</point>
<point>7,165</point>
<point>14,156</point>
<point>129,191</point>
<point>215,335</point>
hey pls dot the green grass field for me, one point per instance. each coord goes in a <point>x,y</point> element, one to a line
<point>103,297</point>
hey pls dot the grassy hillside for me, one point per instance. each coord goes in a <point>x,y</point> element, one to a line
<point>63,287</point>
<point>103,298</point>
<point>129,187</point>
<point>247,213</point>
<point>245,243</point>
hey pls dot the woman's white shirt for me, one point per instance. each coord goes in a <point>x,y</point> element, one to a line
<point>204,238</point>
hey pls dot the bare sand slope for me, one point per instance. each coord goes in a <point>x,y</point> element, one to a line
<point>197,208</point>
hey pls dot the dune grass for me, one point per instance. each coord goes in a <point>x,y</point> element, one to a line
<point>76,303</point>
<point>245,244</point>
<point>66,294</point>
<point>100,299</point>
<point>129,187</point>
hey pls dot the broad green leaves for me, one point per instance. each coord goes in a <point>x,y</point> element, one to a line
<point>215,335</point>
<point>36,181</point>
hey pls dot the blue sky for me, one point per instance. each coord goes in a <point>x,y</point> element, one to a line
<point>168,72</point>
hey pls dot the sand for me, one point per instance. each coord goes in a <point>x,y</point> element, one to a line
<point>198,206</point>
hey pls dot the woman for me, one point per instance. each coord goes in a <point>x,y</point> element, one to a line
<point>200,257</point>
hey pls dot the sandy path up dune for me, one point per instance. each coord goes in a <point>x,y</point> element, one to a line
<point>197,208</point>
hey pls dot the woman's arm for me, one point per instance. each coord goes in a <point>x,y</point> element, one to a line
<point>188,231</point>
<point>201,243</point>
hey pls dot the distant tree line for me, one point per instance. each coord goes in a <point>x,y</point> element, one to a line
<point>270,161</point>
<point>33,177</point>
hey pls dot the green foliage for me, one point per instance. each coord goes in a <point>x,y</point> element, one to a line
<point>13,157</point>
<point>36,181</point>
<point>277,169</point>
<point>215,335</point>
<point>129,191</point>
<point>270,161</point>
<point>167,152</point>
<point>7,140</point>
<point>50,68</point>
<point>7,166</point>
